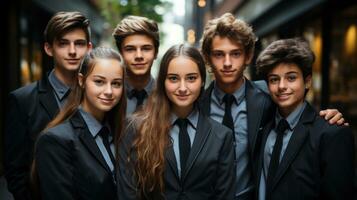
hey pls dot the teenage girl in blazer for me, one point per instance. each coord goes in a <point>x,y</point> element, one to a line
<point>156,161</point>
<point>74,157</point>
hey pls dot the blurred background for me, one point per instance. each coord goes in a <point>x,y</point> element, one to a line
<point>329,25</point>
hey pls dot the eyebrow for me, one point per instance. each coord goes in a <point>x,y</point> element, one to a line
<point>103,77</point>
<point>287,73</point>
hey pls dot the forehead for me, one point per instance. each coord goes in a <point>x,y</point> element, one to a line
<point>137,40</point>
<point>220,43</point>
<point>182,65</point>
<point>107,67</point>
<point>284,68</point>
<point>74,34</point>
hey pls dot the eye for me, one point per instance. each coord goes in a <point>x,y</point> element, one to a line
<point>62,43</point>
<point>218,54</point>
<point>172,78</point>
<point>98,82</point>
<point>129,49</point>
<point>273,80</point>
<point>291,78</point>
<point>116,84</point>
<point>147,48</point>
<point>80,43</point>
<point>191,78</point>
<point>236,54</point>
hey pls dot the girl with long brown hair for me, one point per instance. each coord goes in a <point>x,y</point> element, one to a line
<point>170,149</point>
<point>75,154</point>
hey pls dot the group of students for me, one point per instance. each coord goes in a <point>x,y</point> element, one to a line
<point>99,126</point>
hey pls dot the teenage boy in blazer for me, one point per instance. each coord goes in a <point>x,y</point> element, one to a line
<point>228,48</point>
<point>137,39</point>
<point>308,158</point>
<point>67,39</point>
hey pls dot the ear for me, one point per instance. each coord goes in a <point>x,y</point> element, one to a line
<point>80,80</point>
<point>48,49</point>
<point>248,58</point>
<point>308,82</point>
<point>90,45</point>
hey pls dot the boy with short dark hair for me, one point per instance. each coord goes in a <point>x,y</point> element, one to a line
<point>137,39</point>
<point>67,40</point>
<point>302,156</point>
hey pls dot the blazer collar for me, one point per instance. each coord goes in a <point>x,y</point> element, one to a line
<point>47,98</point>
<point>86,137</point>
<point>256,102</point>
<point>297,140</point>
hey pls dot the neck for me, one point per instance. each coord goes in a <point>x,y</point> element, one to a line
<point>138,82</point>
<point>66,77</point>
<point>230,88</point>
<point>183,112</point>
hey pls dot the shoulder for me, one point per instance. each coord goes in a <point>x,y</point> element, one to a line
<point>219,130</point>
<point>61,133</point>
<point>25,92</point>
<point>322,126</point>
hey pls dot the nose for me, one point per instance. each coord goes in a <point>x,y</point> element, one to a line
<point>108,89</point>
<point>72,49</point>
<point>138,53</point>
<point>227,60</point>
<point>282,84</point>
<point>183,86</point>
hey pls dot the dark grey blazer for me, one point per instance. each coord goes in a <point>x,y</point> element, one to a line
<point>29,110</point>
<point>318,162</point>
<point>70,165</point>
<point>210,173</point>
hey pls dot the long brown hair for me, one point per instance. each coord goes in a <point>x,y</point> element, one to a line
<point>153,126</point>
<point>116,116</point>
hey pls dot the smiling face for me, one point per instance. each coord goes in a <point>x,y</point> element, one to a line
<point>103,87</point>
<point>287,87</point>
<point>183,84</point>
<point>138,52</point>
<point>228,61</point>
<point>69,50</point>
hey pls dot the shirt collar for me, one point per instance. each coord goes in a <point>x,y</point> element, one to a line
<point>239,94</point>
<point>293,118</point>
<point>93,124</point>
<point>60,88</point>
<point>148,88</point>
<point>192,118</point>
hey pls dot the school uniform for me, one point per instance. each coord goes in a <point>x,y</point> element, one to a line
<point>73,163</point>
<point>316,160</point>
<point>209,170</point>
<point>30,109</point>
<point>136,98</point>
<point>251,109</point>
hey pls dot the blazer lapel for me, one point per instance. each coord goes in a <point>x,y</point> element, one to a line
<point>47,98</point>
<point>87,139</point>
<point>296,142</point>
<point>171,159</point>
<point>202,132</point>
<point>205,101</point>
<point>255,108</point>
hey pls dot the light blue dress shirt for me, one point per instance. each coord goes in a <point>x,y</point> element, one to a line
<point>293,120</point>
<point>244,180</point>
<point>174,133</point>
<point>59,88</point>
<point>94,127</point>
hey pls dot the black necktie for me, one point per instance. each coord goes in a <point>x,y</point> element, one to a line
<point>184,142</point>
<point>274,161</point>
<point>228,99</point>
<point>140,95</point>
<point>104,133</point>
